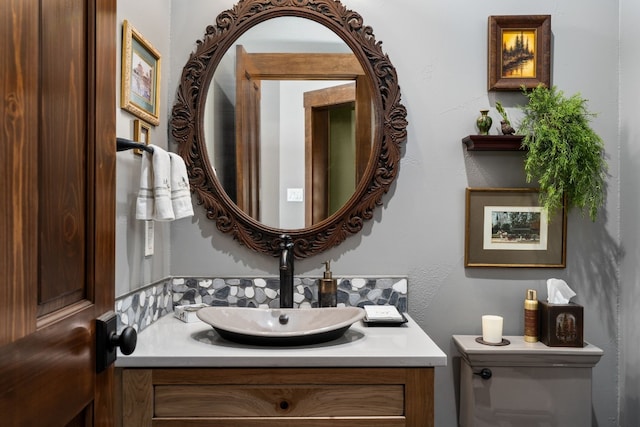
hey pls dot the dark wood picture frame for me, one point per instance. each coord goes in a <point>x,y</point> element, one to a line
<point>512,61</point>
<point>536,241</point>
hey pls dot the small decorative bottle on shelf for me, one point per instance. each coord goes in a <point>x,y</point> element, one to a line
<point>484,122</point>
<point>531,317</point>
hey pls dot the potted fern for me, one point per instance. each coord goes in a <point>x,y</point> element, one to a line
<point>565,156</point>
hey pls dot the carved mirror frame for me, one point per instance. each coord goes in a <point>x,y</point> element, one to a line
<point>390,125</point>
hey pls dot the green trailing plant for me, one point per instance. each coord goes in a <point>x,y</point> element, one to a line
<point>564,154</point>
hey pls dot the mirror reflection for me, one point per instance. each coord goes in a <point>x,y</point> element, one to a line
<point>288,122</point>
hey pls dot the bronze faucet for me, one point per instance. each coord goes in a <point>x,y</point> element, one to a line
<point>286,271</point>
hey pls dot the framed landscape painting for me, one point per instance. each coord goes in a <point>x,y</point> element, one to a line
<point>519,52</point>
<point>140,85</point>
<point>507,227</point>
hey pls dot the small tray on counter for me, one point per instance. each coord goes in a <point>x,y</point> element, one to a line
<point>383,316</point>
<point>385,322</point>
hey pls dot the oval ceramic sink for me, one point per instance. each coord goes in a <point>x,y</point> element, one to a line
<point>280,326</point>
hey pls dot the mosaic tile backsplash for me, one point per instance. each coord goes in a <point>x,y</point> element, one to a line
<point>144,306</point>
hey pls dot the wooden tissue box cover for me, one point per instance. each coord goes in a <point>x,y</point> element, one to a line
<point>561,325</point>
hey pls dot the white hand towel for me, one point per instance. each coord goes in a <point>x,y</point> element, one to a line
<point>145,203</point>
<point>162,185</point>
<point>180,193</point>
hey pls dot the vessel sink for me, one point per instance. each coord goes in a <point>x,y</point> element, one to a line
<point>280,326</point>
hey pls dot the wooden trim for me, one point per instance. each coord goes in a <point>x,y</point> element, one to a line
<point>102,155</point>
<point>316,171</point>
<point>278,376</point>
<point>317,141</point>
<point>419,397</point>
<point>364,126</point>
<point>248,95</point>
<point>305,66</point>
<point>341,94</point>
<point>316,147</point>
<point>493,142</point>
<point>137,398</point>
<point>18,169</point>
<point>118,397</point>
<point>58,315</point>
<point>285,421</point>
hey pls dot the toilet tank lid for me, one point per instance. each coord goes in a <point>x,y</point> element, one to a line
<point>521,353</point>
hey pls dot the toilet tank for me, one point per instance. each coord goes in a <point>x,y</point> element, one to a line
<point>524,384</point>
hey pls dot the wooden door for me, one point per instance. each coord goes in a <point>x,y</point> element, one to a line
<point>57,185</point>
<point>248,94</point>
<point>318,105</point>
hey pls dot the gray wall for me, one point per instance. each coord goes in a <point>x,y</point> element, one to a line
<point>439,51</point>
<point>152,19</point>
<point>630,212</point>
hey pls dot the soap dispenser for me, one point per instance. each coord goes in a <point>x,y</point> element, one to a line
<point>328,289</point>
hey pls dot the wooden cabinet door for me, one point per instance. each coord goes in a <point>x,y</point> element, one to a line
<point>57,204</point>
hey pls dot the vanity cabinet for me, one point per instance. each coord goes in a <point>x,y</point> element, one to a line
<point>264,397</point>
<point>186,375</point>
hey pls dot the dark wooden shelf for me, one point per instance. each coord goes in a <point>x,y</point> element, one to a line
<point>493,142</point>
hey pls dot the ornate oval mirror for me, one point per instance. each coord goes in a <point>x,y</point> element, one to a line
<point>289,119</point>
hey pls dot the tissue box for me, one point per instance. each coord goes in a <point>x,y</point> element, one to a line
<point>561,325</point>
<point>187,313</point>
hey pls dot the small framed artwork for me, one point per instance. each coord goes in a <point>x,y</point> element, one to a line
<point>519,52</point>
<point>140,76</point>
<point>141,134</point>
<point>507,227</point>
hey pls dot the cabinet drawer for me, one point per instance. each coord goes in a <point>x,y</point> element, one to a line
<point>270,401</point>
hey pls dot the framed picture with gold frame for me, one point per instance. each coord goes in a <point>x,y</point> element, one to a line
<point>140,85</point>
<point>507,227</point>
<point>141,134</point>
<point>519,52</point>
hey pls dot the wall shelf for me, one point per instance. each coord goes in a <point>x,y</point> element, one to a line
<point>493,142</point>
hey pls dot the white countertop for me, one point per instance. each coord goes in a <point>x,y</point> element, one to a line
<point>169,342</point>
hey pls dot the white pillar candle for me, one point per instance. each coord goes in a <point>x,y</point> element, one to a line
<point>492,329</point>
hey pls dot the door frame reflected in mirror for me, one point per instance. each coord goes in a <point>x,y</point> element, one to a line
<point>251,70</point>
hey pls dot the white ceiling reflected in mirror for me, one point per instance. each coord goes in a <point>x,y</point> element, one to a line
<point>288,116</point>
